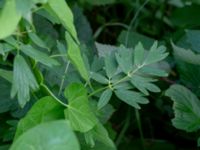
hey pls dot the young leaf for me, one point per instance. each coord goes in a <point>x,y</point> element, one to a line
<point>23,81</point>
<point>124,59</point>
<point>99,78</point>
<point>62,10</point>
<point>38,56</point>
<point>44,110</point>
<point>155,54</point>
<point>131,97</point>
<point>104,99</point>
<point>110,65</point>
<point>54,135</point>
<point>143,84</point>
<point>9,18</point>
<point>186,107</point>
<point>78,112</point>
<point>74,55</point>
<point>139,54</point>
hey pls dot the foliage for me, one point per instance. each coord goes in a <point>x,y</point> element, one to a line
<point>64,87</point>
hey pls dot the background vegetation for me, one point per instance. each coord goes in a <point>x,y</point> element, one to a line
<point>99,74</point>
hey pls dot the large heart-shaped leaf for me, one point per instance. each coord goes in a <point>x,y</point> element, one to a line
<point>45,109</point>
<point>186,108</point>
<point>55,135</point>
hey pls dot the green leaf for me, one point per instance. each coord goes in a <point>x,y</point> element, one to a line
<point>54,135</point>
<point>62,10</point>
<point>105,49</point>
<point>74,55</point>
<point>23,81</point>
<point>104,98</point>
<point>37,40</point>
<point>44,110</point>
<point>153,71</point>
<point>38,56</point>
<point>100,134</point>
<point>191,40</point>
<point>186,55</point>
<point>189,75</point>
<point>186,108</point>
<point>24,6</point>
<point>155,54</point>
<point>143,84</point>
<point>110,65</point>
<point>9,18</point>
<point>78,112</point>
<point>139,54</point>
<point>124,59</point>
<point>131,97</point>
<point>8,75</point>
<point>99,78</point>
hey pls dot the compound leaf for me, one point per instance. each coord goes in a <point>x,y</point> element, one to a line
<point>23,80</point>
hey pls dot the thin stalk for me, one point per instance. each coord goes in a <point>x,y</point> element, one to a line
<point>98,90</point>
<point>133,20</point>
<point>100,29</point>
<point>51,94</point>
<point>63,78</point>
<point>137,114</point>
<point>124,129</point>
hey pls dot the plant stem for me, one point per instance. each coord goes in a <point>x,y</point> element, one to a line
<point>98,90</point>
<point>100,29</point>
<point>137,114</point>
<point>63,78</point>
<point>51,94</point>
<point>124,129</point>
<point>133,20</point>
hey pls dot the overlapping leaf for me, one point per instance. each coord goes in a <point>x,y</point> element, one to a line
<point>74,55</point>
<point>38,56</point>
<point>186,108</point>
<point>23,81</point>
<point>124,59</point>
<point>63,12</point>
<point>144,84</point>
<point>131,97</point>
<point>186,55</point>
<point>53,135</point>
<point>44,110</point>
<point>78,112</point>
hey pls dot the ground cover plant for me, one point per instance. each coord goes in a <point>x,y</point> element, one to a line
<point>99,74</point>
